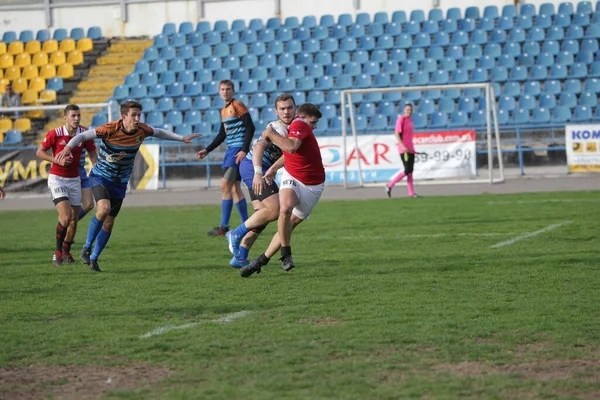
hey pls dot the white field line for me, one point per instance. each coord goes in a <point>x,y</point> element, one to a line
<point>500,202</point>
<point>225,319</point>
<point>530,234</point>
<point>424,235</point>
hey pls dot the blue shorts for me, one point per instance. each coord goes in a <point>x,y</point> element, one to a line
<point>247,172</point>
<point>85,181</point>
<point>115,190</point>
<point>229,160</point>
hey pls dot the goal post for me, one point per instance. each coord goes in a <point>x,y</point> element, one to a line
<point>109,107</point>
<point>491,128</point>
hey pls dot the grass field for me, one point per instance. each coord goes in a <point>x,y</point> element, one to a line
<point>489,297</point>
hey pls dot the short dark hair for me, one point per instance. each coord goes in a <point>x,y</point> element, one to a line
<point>309,109</point>
<point>129,104</point>
<point>408,104</point>
<point>71,107</point>
<point>284,97</point>
<point>228,82</point>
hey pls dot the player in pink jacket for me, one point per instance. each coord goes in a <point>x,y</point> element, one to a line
<point>406,149</point>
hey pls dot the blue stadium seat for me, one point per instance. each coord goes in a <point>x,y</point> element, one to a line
<point>538,72</point>
<point>430,27</point>
<point>588,99</point>
<point>169,29</point>
<point>593,31</point>
<point>59,34</point>
<point>459,76</point>
<point>98,119</point>
<point>268,85</point>
<point>578,70</point>
<point>161,41</point>
<point>327,21</point>
<point>467,25</point>
<point>42,35</point>
<point>454,13</point>
<point>520,116</point>
<point>499,74</point>
<point>202,103</point>
<point>238,25</point>
<point>132,79</point>
<point>532,88</point>
<point>547,9</point>
<point>212,116</point>
<point>467,62</point>
<point>378,123</point>
<point>566,8</point>
<point>466,104</point>
<point>518,73</point>
<point>316,97</point>
<point>203,27</point>
<point>592,85</point>
<point>401,79</point>
<point>220,26</point>
<point>594,70</point>
<point>165,104</point>
<point>155,118</point>
<point>178,40</point>
<point>527,102</point>
<point>137,92</point>
<point>345,20</point>
<point>77,33</point>
<point>156,91</point>
<point>524,22</point>
<point>540,116</point>
<point>193,117</point>
<point>582,114</point>
<point>439,120</point>
<point>567,100</point>
<point>184,103</point>
<point>55,84</point>
<point>12,137</point>
<point>239,49</point>
<point>585,7</point>
<point>528,9</point>
<point>561,114</point>
<point>170,77</point>
<point>572,86</point>
<point>151,54</point>
<point>547,101</point>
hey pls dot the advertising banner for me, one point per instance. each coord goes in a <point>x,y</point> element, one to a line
<point>440,155</point>
<point>583,148</point>
<point>21,170</point>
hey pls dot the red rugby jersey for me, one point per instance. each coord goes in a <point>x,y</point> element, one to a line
<point>305,164</point>
<point>56,140</point>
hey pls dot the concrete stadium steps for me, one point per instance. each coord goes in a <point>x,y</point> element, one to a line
<point>108,71</point>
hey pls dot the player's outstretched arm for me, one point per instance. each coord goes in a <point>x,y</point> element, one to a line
<point>90,134</point>
<point>289,145</point>
<point>162,134</point>
<point>220,138</point>
<point>42,153</point>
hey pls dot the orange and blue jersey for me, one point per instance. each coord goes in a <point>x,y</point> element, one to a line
<point>237,128</point>
<point>118,149</point>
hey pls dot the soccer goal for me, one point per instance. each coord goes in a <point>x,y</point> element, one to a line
<point>443,155</point>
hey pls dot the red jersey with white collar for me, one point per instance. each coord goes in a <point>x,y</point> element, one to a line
<point>305,164</point>
<point>56,140</point>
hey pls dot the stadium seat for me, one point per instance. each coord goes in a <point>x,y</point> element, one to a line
<point>12,137</point>
<point>165,104</point>
<point>588,99</point>
<point>77,33</point>
<point>573,86</point>
<point>55,84</point>
<point>582,114</point>
<point>561,114</point>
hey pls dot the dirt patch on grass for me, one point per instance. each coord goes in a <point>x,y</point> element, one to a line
<point>75,382</point>
<point>587,370</point>
<point>327,321</point>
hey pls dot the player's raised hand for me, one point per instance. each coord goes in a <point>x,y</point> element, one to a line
<point>239,157</point>
<point>188,139</point>
<point>257,184</point>
<point>201,154</point>
<point>62,156</point>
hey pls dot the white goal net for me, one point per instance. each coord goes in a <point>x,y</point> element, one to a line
<point>446,150</point>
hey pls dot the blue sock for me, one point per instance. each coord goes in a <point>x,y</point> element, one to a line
<point>93,229</point>
<point>242,207</point>
<point>243,253</point>
<point>101,241</point>
<point>81,214</point>
<point>226,207</point>
<point>240,231</point>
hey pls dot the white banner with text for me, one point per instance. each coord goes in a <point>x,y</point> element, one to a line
<point>583,148</point>
<point>439,155</point>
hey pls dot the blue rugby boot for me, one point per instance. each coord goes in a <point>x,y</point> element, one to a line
<point>236,263</point>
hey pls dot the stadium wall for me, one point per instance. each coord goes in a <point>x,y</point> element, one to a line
<point>147,19</point>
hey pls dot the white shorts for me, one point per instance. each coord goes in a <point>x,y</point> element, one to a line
<point>308,195</point>
<point>61,187</point>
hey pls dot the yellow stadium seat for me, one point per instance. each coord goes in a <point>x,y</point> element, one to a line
<point>11,73</point>
<point>5,125</point>
<point>1,73</point>
<point>47,96</point>
<point>58,58</point>
<point>2,48</point>
<point>19,85</point>
<point>66,45</point>
<point>29,97</point>
<point>33,47</point>
<point>3,83</point>
<point>65,71</point>
<point>29,72</point>
<point>75,57</point>
<point>39,59</point>
<point>37,84</point>
<point>23,124</point>
<point>6,60</point>
<point>85,44</point>
<point>23,60</point>
<point>50,46</point>
<point>15,48</point>
<point>48,71</point>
